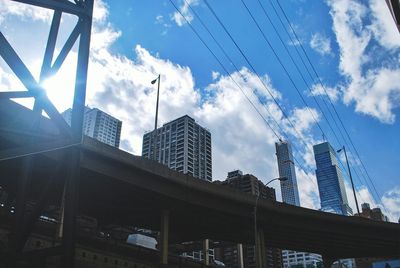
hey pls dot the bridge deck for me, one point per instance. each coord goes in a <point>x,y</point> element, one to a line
<point>119,188</point>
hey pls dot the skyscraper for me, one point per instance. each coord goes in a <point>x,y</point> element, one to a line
<point>330,181</point>
<point>182,145</point>
<point>331,185</point>
<point>290,192</point>
<point>290,195</point>
<point>99,125</point>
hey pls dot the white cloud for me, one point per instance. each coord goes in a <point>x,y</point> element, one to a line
<point>372,84</point>
<point>391,201</point>
<point>321,44</point>
<point>165,26</point>
<point>215,75</point>
<point>185,10</point>
<point>383,25</point>
<point>320,90</point>
<point>23,11</point>
<point>308,189</point>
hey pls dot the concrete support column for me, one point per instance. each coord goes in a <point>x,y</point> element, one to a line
<point>163,239</point>
<point>205,252</point>
<point>327,261</point>
<point>258,251</point>
<point>263,257</point>
<point>240,256</point>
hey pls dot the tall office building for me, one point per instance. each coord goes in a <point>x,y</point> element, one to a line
<point>99,125</point>
<point>182,145</point>
<point>330,181</point>
<point>290,195</point>
<point>289,189</point>
<point>331,186</point>
<point>229,255</point>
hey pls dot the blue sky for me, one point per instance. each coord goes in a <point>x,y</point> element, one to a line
<point>353,45</point>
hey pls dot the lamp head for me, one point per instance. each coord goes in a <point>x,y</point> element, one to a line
<point>153,82</point>
<point>283,178</point>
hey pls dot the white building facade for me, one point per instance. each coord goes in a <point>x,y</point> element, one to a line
<point>99,125</point>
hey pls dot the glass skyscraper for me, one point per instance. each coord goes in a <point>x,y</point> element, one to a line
<point>330,181</point>
<point>290,192</point>
<point>290,195</point>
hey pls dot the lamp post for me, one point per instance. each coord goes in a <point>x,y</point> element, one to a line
<point>156,117</point>
<point>256,246</point>
<point>351,178</point>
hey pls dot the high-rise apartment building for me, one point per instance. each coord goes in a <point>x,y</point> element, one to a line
<point>182,145</point>
<point>289,189</point>
<point>330,181</point>
<point>229,255</point>
<point>99,125</point>
<point>185,146</point>
<point>290,195</point>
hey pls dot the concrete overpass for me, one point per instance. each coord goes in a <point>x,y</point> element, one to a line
<point>119,188</point>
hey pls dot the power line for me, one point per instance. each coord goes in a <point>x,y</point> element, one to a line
<point>223,67</point>
<point>330,101</point>
<point>298,70</point>
<point>198,17</point>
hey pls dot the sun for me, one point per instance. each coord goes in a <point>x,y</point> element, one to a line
<point>60,89</point>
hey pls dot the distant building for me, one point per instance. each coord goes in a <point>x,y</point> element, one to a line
<point>289,189</point>
<point>330,181</point>
<point>182,145</point>
<point>249,184</point>
<point>376,215</point>
<point>99,125</point>
<point>290,195</point>
<point>185,146</point>
<point>373,214</point>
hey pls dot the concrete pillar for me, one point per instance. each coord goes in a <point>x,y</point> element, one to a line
<point>205,252</point>
<point>263,257</point>
<point>258,251</point>
<point>240,256</point>
<point>163,239</point>
<point>327,261</point>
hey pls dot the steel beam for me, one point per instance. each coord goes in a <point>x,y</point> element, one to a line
<point>72,183</point>
<point>66,49</point>
<point>60,5</point>
<point>84,10</point>
<point>18,67</point>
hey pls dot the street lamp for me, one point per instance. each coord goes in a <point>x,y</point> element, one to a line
<point>156,117</point>
<point>256,247</point>
<point>158,94</point>
<point>351,178</point>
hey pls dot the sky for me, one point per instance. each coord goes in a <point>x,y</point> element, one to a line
<point>258,88</point>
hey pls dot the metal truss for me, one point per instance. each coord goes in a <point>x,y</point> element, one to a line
<point>394,7</point>
<point>70,136</point>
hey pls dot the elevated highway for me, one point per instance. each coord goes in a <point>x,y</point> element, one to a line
<point>119,188</point>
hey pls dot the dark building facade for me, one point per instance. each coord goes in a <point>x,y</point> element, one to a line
<point>373,214</point>
<point>376,215</point>
<point>229,254</point>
